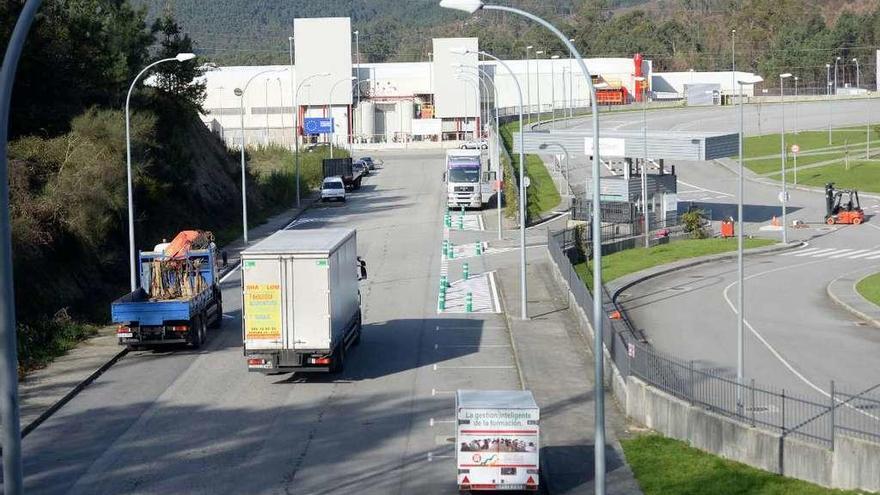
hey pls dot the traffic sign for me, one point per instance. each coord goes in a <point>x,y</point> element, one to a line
<point>526,181</point>
<point>318,125</point>
<point>783,197</point>
<point>795,149</point>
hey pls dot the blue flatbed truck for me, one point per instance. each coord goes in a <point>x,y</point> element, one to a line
<point>143,319</point>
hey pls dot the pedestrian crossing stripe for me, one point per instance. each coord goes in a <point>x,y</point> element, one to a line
<point>835,253</point>
<point>469,222</point>
<point>483,299</point>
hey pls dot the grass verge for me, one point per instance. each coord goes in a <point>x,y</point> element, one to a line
<point>542,194</point>
<point>869,288</point>
<point>629,261</point>
<point>42,341</point>
<point>664,466</point>
<point>860,175</point>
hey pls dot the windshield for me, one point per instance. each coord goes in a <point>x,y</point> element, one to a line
<point>464,174</point>
<point>333,185</point>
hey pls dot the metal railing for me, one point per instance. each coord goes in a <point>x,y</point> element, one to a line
<point>817,418</point>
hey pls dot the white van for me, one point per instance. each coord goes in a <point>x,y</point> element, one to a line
<point>333,189</point>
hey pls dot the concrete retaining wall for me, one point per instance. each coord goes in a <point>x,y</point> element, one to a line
<point>853,464</point>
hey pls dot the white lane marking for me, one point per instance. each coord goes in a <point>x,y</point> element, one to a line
<point>437,368</point>
<point>826,250</point>
<point>432,456</point>
<point>494,291</point>
<point>704,189</point>
<point>469,346</point>
<point>705,198</point>
<point>433,421</point>
<point>876,256</point>
<point>800,251</point>
<point>849,254</point>
<point>832,252</point>
<point>229,274</point>
<point>761,338</point>
<point>869,253</point>
<point>435,392</point>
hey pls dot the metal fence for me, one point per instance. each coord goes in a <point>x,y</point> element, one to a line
<point>815,418</point>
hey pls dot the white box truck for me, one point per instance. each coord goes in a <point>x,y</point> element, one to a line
<point>300,300</point>
<point>497,440</point>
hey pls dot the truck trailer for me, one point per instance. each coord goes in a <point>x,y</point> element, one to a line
<point>179,295</point>
<point>497,440</point>
<point>300,300</point>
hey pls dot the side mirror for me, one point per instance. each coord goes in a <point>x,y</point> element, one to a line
<point>362,266</point>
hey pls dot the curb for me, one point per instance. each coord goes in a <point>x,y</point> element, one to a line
<point>30,427</point>
<point>71,394</point>
<point>650,273</point>
<point>771,182</point>
<point>848,307</point>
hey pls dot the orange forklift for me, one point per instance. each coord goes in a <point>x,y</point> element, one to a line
<point>839,211</point>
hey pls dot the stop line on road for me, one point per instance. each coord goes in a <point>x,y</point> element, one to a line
<point>835,253</point>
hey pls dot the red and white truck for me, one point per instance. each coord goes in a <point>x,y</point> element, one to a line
<point>497,440</point>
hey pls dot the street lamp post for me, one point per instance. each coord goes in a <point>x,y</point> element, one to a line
<point>570,82</point>
<point>538,82</point>
<point>10,421</point>
<point>782,78</point>
<point>472,6</point>
<point>522,189</point>
<point>733,59</point>
<point>497,155</point>
<point>740,313</point>
<point>476,88</point>
<point>858,73</point>
<point>828,93</point>
<point>796,126</point>
<point>240,92</point>
<point>553,90</point>
<point>836,60</point>
<point>180,57</point>
<point>355,87</point>
<point>645,215</point>
<point>292,101</point>
<point>529,82</point>
<point>333,127</point>
<point>296,130</point>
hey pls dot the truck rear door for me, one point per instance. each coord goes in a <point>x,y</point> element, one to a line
<point>311,304</point>
<point>262,303</point>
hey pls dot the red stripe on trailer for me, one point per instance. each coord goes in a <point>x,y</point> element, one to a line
<point>533,432</point>
<point>499,465</point>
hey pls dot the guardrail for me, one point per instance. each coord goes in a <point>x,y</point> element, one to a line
<point>817,418</point>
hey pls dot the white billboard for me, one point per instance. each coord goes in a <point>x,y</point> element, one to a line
<point>608,147</point>
<point>427,127</point>
<point>453,97</point>
<point>323,45</point>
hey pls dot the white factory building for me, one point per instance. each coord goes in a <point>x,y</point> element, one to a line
<point>403,102</point>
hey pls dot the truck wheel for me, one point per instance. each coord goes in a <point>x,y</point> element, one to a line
<point>357,333</point>
<point>218,320</point>
<point>195,332</point>
<point>338,363</point>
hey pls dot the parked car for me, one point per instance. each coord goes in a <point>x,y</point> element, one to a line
<point>333,189</point>
<point>370,163</point>
<point>360,167</point>
<point>475,144</point>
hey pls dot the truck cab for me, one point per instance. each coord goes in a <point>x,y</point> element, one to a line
<point>463,176</point>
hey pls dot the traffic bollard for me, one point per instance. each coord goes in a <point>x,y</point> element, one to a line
<point>451,251</point>
<point>445,247</point>
<point>469,302</point>
<point>465,271</point>
<point>442,302</point>
<point>460,223</point>
<point>478,248</point>
<point>444,283</point>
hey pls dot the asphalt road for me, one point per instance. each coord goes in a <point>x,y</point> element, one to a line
<point>183,421</point>
<point>797,338</point>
